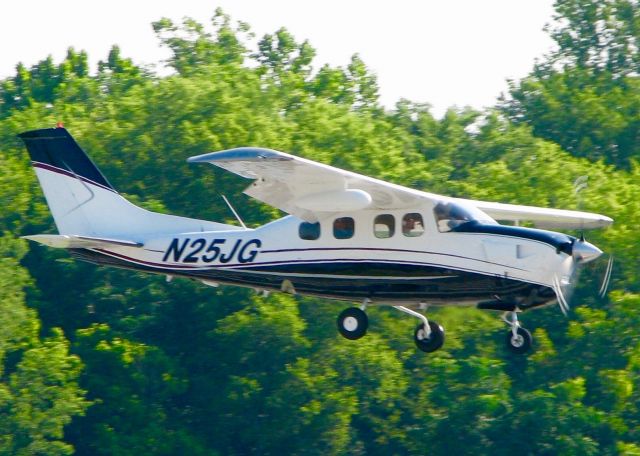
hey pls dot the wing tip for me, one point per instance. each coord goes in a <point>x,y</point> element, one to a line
<point>240,154</point>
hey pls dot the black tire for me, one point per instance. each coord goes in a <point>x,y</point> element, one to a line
<point>521,343</point>
<point>352,323</point>
<point>435,340</point>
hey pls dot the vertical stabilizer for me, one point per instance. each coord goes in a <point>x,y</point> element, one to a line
<point>71,182</point>
<point>81,199</point>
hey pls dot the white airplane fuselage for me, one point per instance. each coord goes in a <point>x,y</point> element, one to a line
<point>434,267</point>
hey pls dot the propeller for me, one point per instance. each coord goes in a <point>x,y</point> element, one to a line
<point>562,300</point>
<point>606,279</point>
<point>582,252</point>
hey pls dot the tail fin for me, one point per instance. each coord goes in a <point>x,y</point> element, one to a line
<point>54,149</point>
<point>81,199</point>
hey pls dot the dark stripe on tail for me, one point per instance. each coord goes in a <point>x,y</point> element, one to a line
<point>70,174</point>
<point>57,148</point>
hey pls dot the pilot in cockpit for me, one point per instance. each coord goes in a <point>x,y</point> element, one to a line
<point>449,216</point>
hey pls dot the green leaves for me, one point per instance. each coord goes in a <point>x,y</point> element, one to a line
<point>39,392</point>
<point>193,47</point>
<point>181,368</point>
<point>585,96</point>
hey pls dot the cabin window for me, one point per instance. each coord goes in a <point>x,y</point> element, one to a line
<point>343,228</point>
<point>412,225</point>
<point>384,226</point>
<point>309,231</point>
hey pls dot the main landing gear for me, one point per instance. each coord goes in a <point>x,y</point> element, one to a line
<point>428,336</point>
<point>518,339</point>
<point>353,323</point>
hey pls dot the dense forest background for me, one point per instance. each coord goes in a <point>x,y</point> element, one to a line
<point>104,361</point>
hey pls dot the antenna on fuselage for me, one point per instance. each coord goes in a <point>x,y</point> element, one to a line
<point>234,212</point>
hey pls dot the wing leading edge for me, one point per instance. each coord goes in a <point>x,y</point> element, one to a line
<point>307,189</point>
<point>543,217</point>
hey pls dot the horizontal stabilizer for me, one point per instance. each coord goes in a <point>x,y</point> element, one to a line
<point>65,241</point>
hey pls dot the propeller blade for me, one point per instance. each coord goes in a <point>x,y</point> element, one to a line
<point>562,302</point>
<point>607,278</point>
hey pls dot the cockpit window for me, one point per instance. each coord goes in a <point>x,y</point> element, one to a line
<point>450,215</point>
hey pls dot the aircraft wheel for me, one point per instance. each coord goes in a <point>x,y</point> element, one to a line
<point>435,339</point>
<point>521,342</point>
<point>352,323</point>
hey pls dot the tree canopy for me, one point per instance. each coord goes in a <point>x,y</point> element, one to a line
<point>103,361</point>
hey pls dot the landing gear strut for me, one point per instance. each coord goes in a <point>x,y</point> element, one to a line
<point>353,323</point>
<point>518,339</point>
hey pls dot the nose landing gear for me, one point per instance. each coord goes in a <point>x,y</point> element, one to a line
<point>518,339</point>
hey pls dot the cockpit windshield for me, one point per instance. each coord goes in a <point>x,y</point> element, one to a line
<point>450,215</point>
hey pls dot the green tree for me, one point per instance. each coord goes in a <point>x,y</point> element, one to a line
<point>193,47</point>
<point>179,367</point>
<point>585,95</point>
<point>39,392</point>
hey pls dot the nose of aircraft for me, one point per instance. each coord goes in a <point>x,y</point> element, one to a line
<point>583,252</point>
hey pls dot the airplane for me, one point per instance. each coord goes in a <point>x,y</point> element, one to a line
<point>346,237</point>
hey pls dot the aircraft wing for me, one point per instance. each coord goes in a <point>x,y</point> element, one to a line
<point>306,188</point>
<point>542,217</point>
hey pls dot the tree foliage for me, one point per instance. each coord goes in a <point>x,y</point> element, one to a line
<point>39,392</point>
<point>586,95</point>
